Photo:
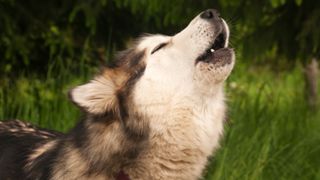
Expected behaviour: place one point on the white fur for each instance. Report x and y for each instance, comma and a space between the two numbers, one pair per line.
184, 103
97, 96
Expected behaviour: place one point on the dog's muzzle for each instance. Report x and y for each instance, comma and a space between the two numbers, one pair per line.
217, 52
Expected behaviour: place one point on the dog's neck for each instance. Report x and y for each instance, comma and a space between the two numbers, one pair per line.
181, 138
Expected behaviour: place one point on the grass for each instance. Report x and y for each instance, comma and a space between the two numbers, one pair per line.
270, 134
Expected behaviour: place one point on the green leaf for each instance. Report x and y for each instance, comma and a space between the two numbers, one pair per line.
54, 29
298, 2
275, 3
103, 2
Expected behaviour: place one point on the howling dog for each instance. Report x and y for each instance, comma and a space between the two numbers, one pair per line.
156, 113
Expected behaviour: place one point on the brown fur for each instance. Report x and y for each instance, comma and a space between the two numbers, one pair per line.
111, 135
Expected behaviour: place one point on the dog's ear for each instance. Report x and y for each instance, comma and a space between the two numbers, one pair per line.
100, 94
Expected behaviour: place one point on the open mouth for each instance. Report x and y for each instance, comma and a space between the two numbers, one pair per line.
219, 43
215, 50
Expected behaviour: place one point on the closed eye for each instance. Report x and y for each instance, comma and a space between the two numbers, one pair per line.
158, 47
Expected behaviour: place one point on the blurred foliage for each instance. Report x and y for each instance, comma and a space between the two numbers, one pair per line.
36, 34
286, 29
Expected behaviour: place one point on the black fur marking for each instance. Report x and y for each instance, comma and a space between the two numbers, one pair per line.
132, 122
106, 118
79, 135
136, 59
16, 144
128, 59
42, 166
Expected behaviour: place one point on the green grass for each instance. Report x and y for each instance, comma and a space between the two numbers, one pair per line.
270, 134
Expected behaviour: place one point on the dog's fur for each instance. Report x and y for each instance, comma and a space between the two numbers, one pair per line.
156, 113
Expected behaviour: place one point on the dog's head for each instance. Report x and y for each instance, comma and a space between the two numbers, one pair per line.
158, 68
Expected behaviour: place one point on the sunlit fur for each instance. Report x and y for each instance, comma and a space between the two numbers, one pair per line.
152, 115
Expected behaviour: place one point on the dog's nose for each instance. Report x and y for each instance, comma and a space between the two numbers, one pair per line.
209, 14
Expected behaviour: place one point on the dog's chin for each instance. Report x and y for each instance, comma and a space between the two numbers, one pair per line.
215, 67
217, 53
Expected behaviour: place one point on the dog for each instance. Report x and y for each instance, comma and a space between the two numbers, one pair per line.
157, 112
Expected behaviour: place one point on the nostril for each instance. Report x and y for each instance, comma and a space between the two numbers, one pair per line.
209, 14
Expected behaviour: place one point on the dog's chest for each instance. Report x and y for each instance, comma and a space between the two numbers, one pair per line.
181, 140
192, 123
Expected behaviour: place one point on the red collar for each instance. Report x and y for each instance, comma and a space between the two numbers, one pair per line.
122, 176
